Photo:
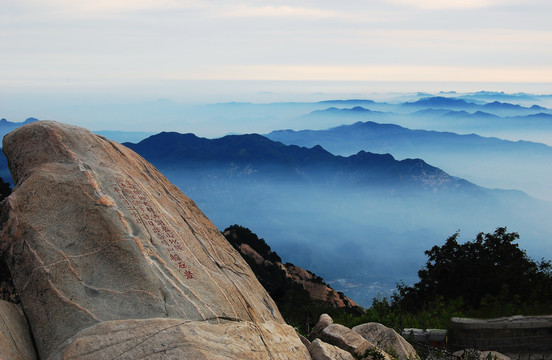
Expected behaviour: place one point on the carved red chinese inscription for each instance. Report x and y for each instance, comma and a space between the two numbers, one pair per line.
143, 212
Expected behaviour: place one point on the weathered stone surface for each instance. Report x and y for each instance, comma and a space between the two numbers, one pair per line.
15, 338
324, 321
95, 234
386, 339
320, 350
181, 339
345, 338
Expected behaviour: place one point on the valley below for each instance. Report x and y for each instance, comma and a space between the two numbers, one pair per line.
357, 190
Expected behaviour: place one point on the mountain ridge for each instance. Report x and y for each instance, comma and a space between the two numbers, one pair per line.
266, 157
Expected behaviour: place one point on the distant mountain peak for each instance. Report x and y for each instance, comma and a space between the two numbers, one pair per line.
253, 157
501, 105
348, 102
439, 101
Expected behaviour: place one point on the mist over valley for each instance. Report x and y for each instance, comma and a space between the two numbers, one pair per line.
357, 190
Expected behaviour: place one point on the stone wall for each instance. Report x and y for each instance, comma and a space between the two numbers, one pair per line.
512, 334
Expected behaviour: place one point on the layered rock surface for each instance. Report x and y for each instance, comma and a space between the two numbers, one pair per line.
386, 339
110, 259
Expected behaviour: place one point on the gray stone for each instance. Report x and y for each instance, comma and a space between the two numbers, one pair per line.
97, 240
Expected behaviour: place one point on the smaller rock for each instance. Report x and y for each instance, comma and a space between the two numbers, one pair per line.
387, 339
483, 355
324, 321
320, 350
15, 337
346, 339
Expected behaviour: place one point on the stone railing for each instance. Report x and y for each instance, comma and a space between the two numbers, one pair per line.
511, 334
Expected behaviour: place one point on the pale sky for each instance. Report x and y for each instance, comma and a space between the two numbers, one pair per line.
72, 43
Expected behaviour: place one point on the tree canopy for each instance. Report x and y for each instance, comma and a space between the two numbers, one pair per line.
490, 269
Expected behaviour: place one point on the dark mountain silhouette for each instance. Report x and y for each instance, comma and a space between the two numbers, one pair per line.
256, 157
466, 115
497, 105
449, 115
345, 218
451, 103
357, 110
395, 139
539, 116
440, 102
483, 160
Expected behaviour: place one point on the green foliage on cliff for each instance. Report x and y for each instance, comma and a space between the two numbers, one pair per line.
293, 301
489, 276
238, 235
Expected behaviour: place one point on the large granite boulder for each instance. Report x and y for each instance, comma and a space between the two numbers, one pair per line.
320, 350
346, 339
15, 337
386, 339
111, 260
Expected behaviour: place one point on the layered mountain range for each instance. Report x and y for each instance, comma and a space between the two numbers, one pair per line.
486, 161
360, 199
313, 203
256, 158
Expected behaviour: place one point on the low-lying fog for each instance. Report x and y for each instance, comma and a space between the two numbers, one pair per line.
361, 241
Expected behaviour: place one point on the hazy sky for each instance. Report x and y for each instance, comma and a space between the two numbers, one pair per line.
50, 45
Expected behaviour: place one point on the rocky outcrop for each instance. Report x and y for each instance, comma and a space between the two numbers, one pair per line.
366, 341
111, 260
387, 339
15, 337
318, 290
267, 261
